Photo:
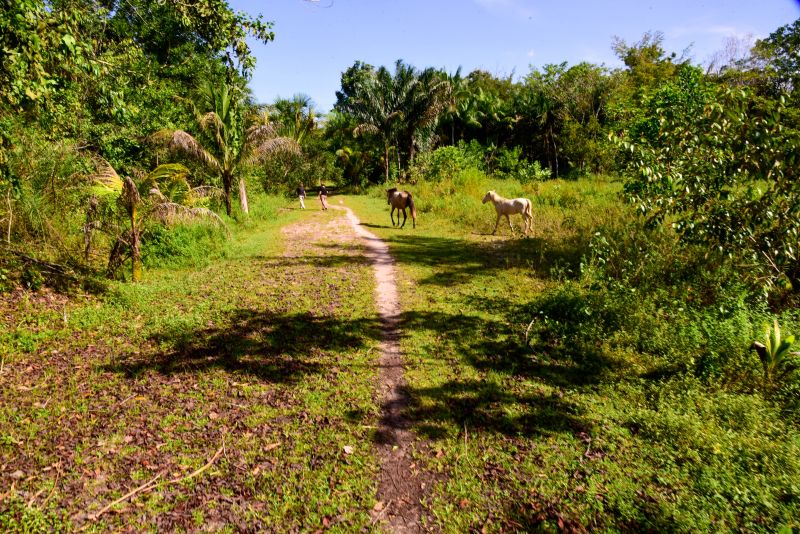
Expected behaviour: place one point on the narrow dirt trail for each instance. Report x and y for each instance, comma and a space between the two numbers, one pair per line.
402, 485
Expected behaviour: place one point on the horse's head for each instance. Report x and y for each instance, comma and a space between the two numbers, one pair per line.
389, 194
489, 196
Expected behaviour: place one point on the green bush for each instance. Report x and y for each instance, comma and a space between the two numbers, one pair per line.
509, 163
183, 245
446, 163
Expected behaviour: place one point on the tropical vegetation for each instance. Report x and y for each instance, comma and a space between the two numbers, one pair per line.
171, 327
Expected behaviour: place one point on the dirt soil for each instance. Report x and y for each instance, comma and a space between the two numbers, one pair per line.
403, 484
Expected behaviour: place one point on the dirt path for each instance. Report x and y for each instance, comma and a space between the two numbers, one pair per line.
402, 485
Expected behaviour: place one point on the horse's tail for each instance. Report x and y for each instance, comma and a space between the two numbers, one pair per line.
413, 210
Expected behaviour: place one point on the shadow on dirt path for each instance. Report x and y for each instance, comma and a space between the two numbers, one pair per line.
402, 485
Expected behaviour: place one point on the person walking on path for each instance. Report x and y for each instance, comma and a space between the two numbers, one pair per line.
323, 196
301, 194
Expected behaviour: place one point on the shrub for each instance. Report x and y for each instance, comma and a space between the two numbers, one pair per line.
182, 245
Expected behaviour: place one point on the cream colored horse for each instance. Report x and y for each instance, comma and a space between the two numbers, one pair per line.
510, 206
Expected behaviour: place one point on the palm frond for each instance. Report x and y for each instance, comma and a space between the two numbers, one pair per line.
130, 195
168, 181
258, 133
172, 212
169, 172
211, 121
180, 141
262, 151
365, 128
106, 178
206, 191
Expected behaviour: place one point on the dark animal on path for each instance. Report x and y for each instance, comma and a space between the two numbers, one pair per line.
400, 200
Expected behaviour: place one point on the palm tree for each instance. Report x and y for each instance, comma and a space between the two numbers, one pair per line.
163, 195
397, 108
460, 104
423, 97
296, 116
235, 138
375, 111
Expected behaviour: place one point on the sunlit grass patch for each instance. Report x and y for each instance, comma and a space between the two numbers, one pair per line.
245, 355
614, 413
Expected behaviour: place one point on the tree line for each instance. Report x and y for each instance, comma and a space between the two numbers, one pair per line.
156, 91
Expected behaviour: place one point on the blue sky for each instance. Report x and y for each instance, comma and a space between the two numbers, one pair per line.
315, 41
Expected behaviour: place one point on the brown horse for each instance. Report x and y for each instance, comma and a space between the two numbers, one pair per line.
400, 200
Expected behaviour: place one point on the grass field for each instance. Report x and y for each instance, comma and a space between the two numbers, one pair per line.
241, 393
583, 429
265, 357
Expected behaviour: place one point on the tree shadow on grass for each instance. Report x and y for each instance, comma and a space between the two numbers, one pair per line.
458, 260
488, 345
321, 262
483, 405
272, 347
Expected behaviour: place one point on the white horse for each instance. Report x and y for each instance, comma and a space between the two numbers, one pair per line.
510, 206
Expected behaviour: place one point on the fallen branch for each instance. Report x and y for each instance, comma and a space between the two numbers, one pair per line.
152, 483
143, 487
54, 268
200, 470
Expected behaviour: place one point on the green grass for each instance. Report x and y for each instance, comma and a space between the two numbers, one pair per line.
592, 427
252, 351
635, 406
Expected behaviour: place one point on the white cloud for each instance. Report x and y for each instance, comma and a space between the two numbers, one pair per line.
715, 31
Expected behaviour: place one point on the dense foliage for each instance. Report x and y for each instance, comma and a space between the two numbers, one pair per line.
87, 81
659, 290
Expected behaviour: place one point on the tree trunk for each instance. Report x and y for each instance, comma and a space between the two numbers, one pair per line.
243, 196
88, 228
136, 253
10, 217
555, 151
132, 199
226, 190
386, 164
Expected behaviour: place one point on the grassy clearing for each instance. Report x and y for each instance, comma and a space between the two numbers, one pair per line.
630, 410
267, 350
603, 423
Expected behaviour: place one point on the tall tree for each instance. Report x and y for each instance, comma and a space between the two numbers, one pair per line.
424, 97
234, 139
396, 108
296, 116
780, 54
375, 112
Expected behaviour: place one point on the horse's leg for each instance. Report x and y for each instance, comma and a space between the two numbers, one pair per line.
496, 223
508, 218
391, 216
404, 217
